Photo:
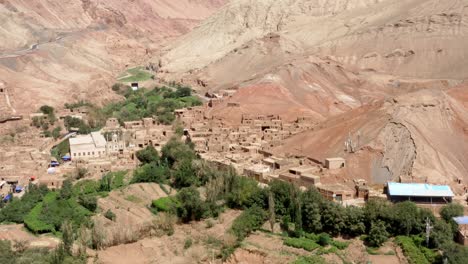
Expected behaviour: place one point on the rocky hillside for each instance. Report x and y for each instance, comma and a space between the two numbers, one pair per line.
55, 52
383, 70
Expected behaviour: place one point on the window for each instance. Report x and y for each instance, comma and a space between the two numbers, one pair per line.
89, 153
93, 153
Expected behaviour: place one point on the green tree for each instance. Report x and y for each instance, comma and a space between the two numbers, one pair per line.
449, 211
47, 110
56, 132
377, 209
190, 206
333, 218
441, 234
244, 192
148, 155
67, 237
455, 254
185, 175
271, 210
151, 173
175, 150
354, 221
407, 219
67, 190
311, 211
248, 221
282, 194
378, 234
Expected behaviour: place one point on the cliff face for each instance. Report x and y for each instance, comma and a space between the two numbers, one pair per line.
55, 51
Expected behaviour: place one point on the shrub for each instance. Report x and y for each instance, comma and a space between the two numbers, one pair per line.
190, 206
164, 223
378, 234
411, 251
188, 243
324, 239
88, 201
16, 210
301, 242
147, 155
248, 221
110, 215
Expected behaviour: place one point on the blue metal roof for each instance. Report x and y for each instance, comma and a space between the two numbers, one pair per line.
461, 220
419, 189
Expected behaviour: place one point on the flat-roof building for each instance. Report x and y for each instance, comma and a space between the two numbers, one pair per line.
419, 192
88, 146
334, 163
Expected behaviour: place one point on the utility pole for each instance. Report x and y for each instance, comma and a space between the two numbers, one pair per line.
428, 230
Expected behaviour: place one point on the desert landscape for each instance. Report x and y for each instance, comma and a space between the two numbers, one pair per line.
234, 131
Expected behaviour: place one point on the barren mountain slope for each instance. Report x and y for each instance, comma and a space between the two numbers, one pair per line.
419, 136
53, 52
411, 38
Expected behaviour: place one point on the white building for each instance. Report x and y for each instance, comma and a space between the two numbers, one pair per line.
88, 146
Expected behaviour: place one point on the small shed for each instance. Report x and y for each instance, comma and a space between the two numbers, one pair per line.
462, 234
335, 163
134, 86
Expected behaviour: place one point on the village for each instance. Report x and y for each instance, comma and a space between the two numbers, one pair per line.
246, 147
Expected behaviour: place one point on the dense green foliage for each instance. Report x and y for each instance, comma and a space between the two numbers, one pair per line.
190, 205
249, 220
61, 150
411, 251
148, 155
160, 102
16, 210
378, 234
73, 122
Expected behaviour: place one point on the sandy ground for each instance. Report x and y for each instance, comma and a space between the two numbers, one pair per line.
170, 249
17, 233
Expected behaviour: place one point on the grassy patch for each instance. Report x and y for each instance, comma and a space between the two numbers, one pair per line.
309, 260
137, 74
164, 204
132, 198
301, 242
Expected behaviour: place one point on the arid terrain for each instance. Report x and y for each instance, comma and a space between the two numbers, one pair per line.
52, 53
382, 71
382, 84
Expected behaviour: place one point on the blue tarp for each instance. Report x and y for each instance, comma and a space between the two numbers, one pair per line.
18, 189
461, 220
7, 198
419, 190
54, 163
66, 157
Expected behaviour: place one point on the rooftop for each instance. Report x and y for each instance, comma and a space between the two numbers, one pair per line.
419, 189
461, 220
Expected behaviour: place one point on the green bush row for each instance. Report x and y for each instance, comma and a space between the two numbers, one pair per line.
411, 251
301, 242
